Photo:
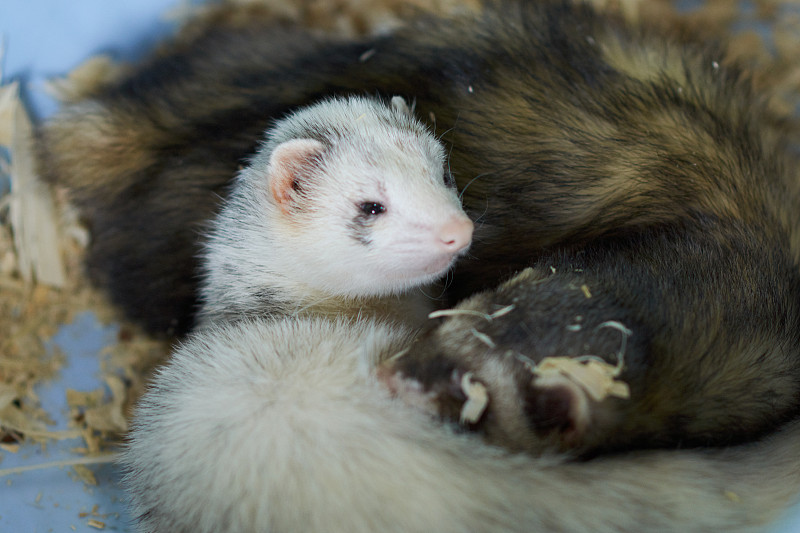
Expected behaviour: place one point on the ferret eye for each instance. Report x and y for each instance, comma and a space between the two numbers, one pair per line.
372, 208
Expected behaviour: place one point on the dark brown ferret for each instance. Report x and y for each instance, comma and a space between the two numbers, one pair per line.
640, 177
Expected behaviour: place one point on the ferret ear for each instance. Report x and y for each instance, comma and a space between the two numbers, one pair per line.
400, 106
289, 166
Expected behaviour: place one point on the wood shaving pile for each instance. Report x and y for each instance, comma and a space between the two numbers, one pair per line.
42, 284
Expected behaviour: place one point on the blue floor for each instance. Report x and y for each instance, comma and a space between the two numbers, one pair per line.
56, 498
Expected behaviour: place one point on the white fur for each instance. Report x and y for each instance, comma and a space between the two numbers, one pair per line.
279, 427
374, 152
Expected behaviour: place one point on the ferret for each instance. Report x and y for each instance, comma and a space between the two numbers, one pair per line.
348, 203
614, 174
281, 426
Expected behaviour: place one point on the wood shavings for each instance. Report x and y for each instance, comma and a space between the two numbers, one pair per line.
33, 223
85, 475
7, 395
397, 356
84, 399
457, 312
470, 312
136, 356
36, 299
93, 512
595, 377
28, 428
93, 414
613, 324
732, 496
110, 417
363, 58
16, 421
502, 311
483, 337
477, 400
10, 448
102, 459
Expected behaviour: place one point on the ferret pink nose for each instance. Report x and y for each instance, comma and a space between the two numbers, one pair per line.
455, 234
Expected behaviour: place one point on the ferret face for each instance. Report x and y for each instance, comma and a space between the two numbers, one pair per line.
371, 212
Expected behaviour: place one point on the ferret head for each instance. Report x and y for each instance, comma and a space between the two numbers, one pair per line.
359, 198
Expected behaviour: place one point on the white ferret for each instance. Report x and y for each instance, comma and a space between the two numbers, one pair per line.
348, 201
279, 426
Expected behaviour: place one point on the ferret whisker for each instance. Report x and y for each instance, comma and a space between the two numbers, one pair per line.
461, 194
449, 166
480, 217
431, 296
449, 279
448, 130
445, 132
449, 154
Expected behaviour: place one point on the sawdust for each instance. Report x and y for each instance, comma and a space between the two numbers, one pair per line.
596, 377
477, 400
42, 286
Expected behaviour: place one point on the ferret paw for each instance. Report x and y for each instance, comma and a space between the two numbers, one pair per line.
440, 389
555, 408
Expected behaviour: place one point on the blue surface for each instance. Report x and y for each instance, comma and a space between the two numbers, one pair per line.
56, 499
790, 523
46, 38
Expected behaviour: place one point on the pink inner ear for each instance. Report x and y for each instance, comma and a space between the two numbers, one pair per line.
290, 164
